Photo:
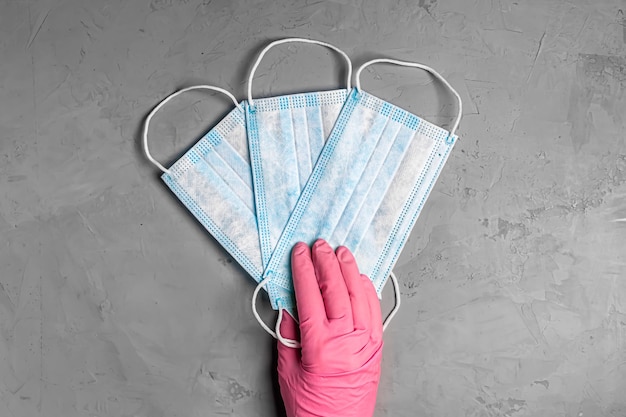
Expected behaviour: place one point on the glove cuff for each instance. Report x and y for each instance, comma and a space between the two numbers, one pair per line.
350, 394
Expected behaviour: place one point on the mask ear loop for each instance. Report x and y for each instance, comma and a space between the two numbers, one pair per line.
300, 40
425, 68
162, 103
396, 307
275, 334
287, 342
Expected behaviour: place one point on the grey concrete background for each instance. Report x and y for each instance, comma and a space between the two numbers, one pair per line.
115, 302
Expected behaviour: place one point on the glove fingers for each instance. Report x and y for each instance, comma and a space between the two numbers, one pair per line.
332, 286
356, 289
308, 297
376, 319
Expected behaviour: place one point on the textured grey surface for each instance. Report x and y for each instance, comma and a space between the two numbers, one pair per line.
115, 302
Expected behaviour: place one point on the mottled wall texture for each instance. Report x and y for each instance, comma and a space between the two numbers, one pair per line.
114, 301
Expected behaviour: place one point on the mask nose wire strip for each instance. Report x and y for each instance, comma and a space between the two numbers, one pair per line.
300, 40
294, 343
162, 103
396, 307
425, 68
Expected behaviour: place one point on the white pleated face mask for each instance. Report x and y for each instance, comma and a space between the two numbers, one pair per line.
286, 134
368, 187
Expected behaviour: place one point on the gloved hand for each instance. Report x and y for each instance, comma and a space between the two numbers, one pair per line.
337, 369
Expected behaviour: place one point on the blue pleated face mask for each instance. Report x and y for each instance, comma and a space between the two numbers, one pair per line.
368, 187
214, 181
286, 135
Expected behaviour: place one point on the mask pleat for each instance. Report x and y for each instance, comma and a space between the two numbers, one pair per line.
348, 163
303, 227
281, 173
366, 195
396, 147
286, 135
303, 155
437, 152
233, 129
228, 164
315, 126
273, 152
391, 205
329, 113
198, 186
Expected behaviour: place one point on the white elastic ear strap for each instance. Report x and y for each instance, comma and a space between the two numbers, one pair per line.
396, 307
275, 334
294, 343
425, 68
162, 103
299, 40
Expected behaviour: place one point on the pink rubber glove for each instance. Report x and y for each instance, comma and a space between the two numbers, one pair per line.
336, 372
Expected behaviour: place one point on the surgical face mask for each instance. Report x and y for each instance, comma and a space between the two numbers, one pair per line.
286, 135
213, 180
368, 187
